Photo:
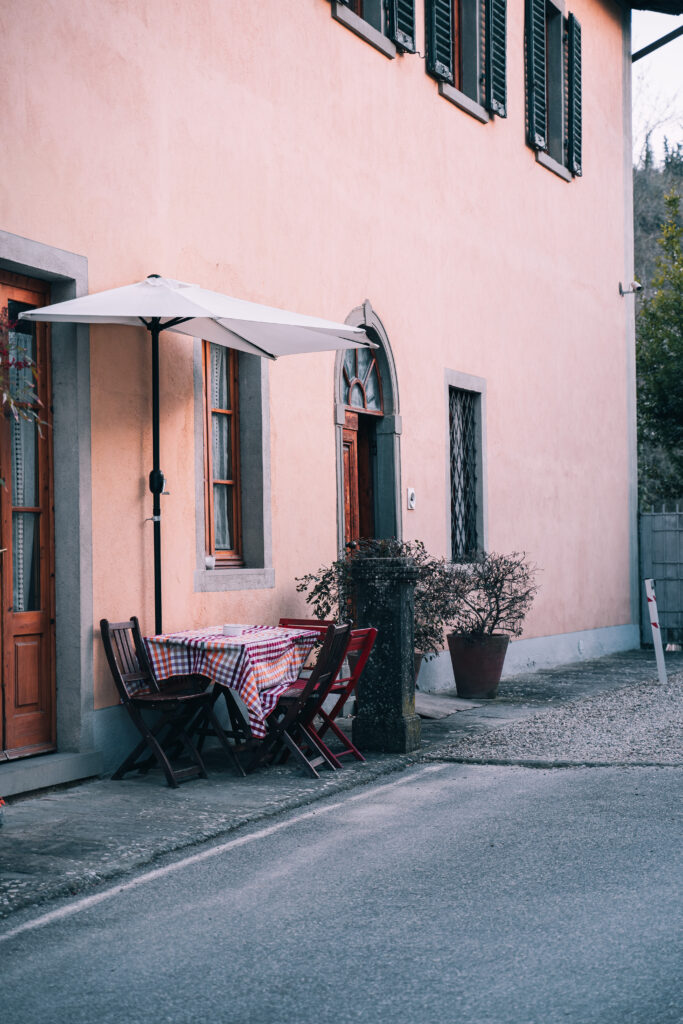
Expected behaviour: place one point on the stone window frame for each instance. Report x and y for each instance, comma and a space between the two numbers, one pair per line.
342, 13
257, 573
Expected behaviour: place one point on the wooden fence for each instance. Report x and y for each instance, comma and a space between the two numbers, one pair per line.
661, 559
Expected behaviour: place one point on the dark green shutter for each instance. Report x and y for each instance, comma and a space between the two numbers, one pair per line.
574, 127
440, 38
402, 23
536, 100
496, 57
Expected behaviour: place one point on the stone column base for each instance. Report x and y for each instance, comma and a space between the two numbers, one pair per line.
392, 736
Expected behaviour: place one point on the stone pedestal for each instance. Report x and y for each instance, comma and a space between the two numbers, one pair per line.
385, 700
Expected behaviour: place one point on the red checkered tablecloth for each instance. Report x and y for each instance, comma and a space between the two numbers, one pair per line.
259, 663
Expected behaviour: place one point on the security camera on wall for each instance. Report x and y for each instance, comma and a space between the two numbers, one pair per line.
635, 286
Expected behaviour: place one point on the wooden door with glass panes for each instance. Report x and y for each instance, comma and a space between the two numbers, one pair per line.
362, 392
26, 531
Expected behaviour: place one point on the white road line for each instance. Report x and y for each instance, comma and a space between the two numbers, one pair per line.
196, 858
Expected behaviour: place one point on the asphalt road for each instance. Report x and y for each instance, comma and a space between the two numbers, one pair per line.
452, 893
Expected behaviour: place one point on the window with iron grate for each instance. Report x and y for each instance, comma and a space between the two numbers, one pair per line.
462, 412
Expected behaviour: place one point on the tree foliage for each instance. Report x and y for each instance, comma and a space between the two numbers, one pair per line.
329, 591
652, 181
659, 352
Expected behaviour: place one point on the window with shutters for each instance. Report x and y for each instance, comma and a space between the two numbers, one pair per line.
388, 25
371, 11
466, 53
221, 452
553, 87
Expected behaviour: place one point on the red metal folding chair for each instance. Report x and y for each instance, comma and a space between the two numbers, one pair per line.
287, 725
357, 653
320, 625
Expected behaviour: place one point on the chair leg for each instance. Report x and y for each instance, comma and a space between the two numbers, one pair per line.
176, 732
159, 756
240, 730
205, 723
325, 755
213, 725
349, 747
299, 755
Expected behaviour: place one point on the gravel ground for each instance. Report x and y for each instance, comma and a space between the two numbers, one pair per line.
638, 724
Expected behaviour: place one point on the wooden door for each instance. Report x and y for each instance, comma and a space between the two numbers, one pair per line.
26, 539
350, 447
359, 501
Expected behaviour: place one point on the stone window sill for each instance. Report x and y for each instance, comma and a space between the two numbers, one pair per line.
216, 580
464, 102
552, 165
361, 28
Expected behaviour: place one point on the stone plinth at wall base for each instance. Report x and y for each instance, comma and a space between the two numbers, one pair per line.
385, 700
33, 773
397, 736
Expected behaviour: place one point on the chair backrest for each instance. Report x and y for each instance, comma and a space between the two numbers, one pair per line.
319, 625
328, 664
127, 659
360, 645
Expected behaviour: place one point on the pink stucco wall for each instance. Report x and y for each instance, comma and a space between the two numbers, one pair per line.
266, 151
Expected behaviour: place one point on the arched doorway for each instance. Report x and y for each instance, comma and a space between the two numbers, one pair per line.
368, 428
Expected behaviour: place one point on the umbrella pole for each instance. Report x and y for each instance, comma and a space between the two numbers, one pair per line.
156, 477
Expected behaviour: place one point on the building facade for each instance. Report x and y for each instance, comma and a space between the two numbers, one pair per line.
455, 177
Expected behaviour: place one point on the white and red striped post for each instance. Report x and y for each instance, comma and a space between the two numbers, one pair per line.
656, 630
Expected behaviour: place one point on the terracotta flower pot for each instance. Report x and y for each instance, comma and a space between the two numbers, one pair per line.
477, 663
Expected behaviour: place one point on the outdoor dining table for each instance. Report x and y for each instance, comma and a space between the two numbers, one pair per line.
258, 663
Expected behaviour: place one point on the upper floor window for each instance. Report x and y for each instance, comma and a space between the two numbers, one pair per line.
371, 11
221, 450
466, 49
387, 25
553, 86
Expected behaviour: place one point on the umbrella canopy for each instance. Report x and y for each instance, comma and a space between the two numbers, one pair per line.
162, 304
189, 309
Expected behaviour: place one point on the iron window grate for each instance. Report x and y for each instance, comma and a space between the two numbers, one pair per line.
463, 433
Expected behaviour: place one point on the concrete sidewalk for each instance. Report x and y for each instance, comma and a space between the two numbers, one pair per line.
66, 841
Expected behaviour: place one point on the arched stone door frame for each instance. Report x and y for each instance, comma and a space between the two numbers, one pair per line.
388, 518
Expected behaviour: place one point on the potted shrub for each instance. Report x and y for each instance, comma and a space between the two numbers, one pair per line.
329, 592
491, 595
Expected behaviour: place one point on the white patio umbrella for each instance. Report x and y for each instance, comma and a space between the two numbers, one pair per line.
162, 304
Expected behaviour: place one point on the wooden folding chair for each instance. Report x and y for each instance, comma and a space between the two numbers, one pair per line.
287, 728
182, 706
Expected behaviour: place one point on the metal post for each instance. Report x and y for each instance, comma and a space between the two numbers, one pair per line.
656, 630
156, 477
